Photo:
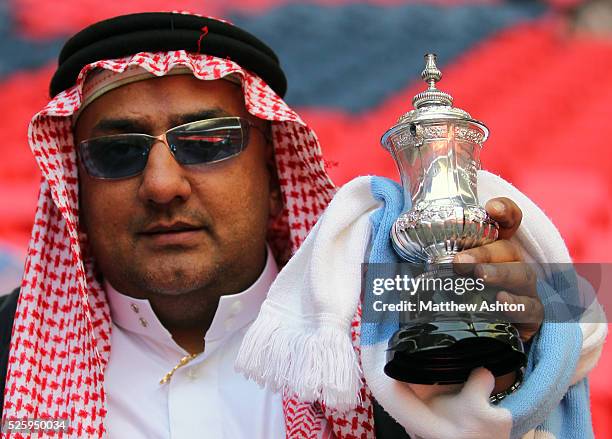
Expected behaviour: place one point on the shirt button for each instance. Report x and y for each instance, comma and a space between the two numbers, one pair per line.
192, 374
143, 322
229, 323
236, 308
134, 307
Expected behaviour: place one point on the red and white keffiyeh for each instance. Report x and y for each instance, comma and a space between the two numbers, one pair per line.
61, 335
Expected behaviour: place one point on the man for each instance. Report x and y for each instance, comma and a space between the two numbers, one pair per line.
175, 180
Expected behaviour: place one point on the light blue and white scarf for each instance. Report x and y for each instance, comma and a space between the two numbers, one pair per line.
301, 339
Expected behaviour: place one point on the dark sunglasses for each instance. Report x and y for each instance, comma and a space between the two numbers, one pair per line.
195, 143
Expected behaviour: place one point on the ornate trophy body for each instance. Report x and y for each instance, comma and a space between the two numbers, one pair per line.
436, 148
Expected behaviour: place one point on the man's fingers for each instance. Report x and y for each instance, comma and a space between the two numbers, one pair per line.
533, 309
496, 252
507, 213
527, 321
514, 276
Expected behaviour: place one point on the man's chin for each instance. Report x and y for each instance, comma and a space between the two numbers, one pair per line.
173, 282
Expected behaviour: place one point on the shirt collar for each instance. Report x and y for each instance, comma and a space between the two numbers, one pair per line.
233, 313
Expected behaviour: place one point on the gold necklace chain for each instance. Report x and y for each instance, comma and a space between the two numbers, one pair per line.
183, 361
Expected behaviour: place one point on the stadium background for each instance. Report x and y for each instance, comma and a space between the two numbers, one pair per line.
537, 73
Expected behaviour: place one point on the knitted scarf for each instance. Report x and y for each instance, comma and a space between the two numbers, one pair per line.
300, 340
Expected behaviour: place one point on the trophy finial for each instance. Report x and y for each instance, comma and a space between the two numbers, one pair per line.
431, 74
432, 96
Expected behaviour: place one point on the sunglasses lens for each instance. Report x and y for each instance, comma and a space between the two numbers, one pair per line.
208, 141
201, 142
115, 156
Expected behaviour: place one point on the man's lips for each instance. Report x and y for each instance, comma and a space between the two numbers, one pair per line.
175, 227
176, 233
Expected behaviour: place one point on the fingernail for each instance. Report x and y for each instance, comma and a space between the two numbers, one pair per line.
497, 206
464, 258
506, 297
488, 271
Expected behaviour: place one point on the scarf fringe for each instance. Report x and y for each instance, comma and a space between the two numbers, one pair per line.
290, 358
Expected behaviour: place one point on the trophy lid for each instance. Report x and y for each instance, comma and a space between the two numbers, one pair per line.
433, 104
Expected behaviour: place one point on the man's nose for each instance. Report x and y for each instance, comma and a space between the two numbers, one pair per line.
163, 179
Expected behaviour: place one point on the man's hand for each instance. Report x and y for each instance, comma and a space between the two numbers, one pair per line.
500, 264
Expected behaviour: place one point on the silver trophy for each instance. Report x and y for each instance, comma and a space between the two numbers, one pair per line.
437, 150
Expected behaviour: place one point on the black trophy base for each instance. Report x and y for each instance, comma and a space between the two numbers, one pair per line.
445, 351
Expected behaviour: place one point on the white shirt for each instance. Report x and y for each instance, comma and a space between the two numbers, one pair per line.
204, 398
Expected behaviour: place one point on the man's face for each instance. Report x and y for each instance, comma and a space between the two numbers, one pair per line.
175, 229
